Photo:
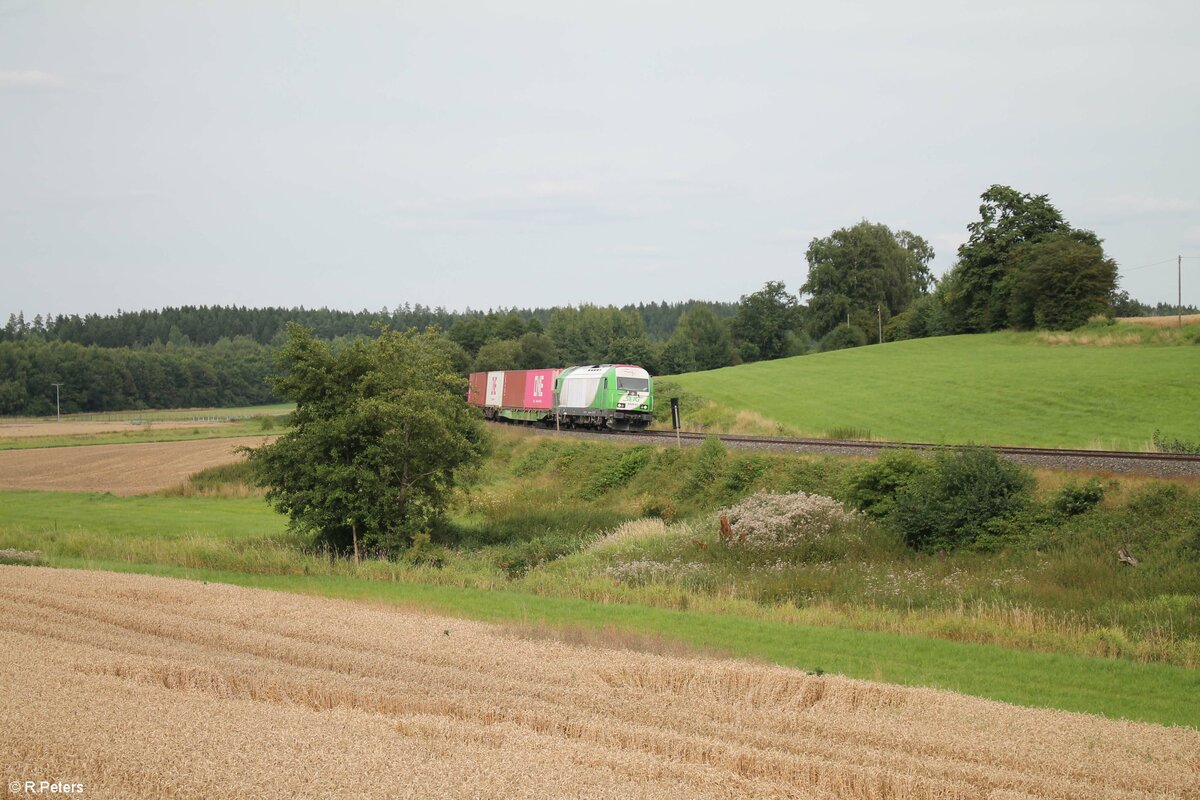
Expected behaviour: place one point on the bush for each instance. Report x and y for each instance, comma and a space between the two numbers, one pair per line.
842, 337
768, 521
743, 472
660, 508
964, 499
898, 328
517, 558
1173, 444
707, 466
664, 390
872, 487
1074, 499
617, 470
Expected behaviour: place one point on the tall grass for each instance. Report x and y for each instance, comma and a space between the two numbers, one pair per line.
548, 518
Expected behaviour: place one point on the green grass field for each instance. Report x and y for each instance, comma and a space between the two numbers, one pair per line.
529, 555
1069, 390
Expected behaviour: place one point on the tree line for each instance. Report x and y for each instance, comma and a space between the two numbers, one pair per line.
205, 325
231, 372
1023, 266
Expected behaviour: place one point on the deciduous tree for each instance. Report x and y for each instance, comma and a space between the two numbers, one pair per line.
763, 321
381, 433
978, 296
1060, 282
861, 272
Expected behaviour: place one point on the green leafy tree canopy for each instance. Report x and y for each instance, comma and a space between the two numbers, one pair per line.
763, 321
861, 272
381, 433
979, 288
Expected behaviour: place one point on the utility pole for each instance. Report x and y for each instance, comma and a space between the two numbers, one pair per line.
879, 312
57, 403
1179, 288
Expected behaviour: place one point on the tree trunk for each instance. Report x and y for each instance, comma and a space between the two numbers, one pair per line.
354, 535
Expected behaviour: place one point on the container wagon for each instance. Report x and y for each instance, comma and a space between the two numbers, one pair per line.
616, 396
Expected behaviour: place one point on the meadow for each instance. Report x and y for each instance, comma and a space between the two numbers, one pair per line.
619, 543
146, 687
1107, 387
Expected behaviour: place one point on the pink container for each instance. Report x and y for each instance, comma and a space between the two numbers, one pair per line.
539, 388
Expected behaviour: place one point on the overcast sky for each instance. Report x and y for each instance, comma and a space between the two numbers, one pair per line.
361, 155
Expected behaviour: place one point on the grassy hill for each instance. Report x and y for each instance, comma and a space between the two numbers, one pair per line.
1110, 388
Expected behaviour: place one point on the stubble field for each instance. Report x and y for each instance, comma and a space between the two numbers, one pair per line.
122, 469
148, 687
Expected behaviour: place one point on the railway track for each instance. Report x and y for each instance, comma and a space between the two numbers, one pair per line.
1157, 464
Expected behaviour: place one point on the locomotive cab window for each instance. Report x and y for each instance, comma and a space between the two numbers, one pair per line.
633, 384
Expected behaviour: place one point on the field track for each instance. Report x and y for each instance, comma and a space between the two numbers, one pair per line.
142, 687
122, 469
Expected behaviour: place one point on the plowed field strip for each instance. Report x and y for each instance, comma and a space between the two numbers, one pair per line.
143, 687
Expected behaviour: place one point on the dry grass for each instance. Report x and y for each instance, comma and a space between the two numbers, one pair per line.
144, 687
1118, 487
1090, 339
1171, 321
122, 469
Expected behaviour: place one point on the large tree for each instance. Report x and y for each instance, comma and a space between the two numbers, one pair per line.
701, 340
763, 321
861, 272
978, 296
1061, 282
380, 434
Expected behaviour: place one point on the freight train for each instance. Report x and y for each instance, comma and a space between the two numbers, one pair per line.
616, 396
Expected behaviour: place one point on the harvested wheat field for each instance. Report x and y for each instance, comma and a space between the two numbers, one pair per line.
122, 469
1167, 321
142, 687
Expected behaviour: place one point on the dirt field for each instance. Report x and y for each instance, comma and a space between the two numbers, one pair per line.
140, 687
22, 430
122, 469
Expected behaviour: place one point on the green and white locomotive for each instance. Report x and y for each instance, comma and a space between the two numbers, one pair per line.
614, 396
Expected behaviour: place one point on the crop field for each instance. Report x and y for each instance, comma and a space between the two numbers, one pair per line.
148, 687
121, 469
1167, 321
1106, 390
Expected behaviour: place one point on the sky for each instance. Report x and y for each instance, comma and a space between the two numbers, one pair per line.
495, 155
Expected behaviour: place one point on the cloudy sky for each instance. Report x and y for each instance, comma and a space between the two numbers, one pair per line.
366, 154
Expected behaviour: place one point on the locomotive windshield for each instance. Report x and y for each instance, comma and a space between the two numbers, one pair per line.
633, 384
